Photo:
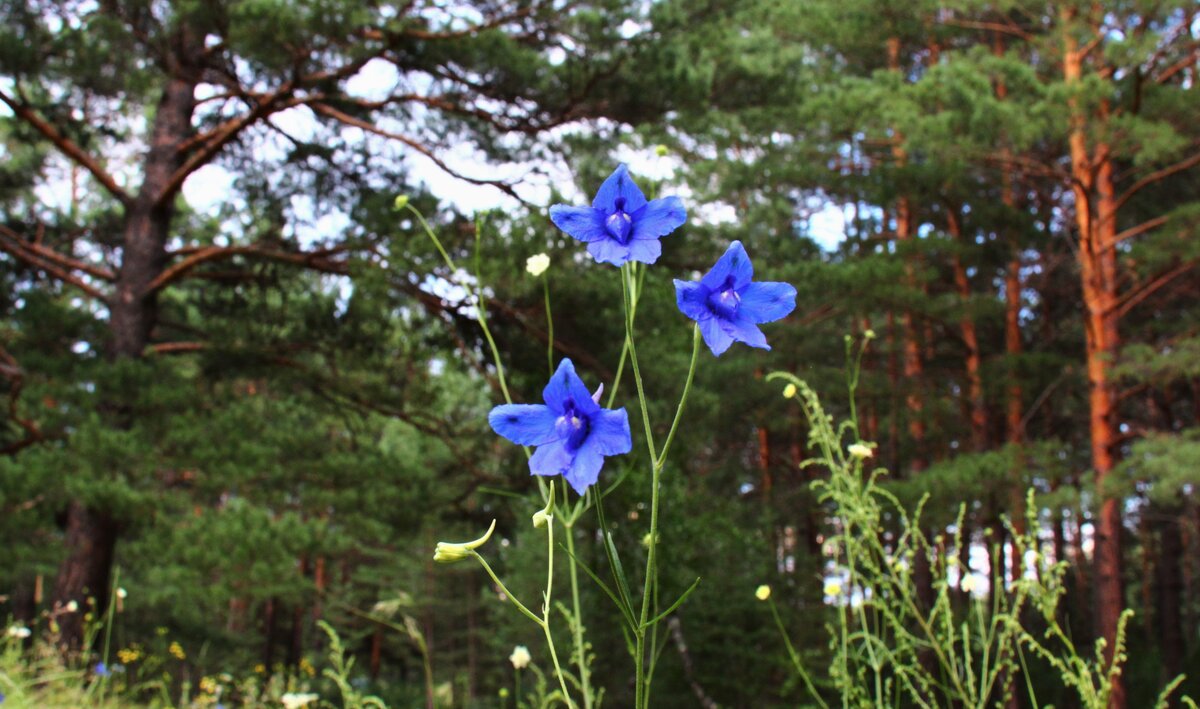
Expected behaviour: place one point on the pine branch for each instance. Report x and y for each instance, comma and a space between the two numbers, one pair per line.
315, 260
343, 117
67, 147
41, 257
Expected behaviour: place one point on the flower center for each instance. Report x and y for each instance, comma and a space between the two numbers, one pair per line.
619, 224
572, 427
725, 301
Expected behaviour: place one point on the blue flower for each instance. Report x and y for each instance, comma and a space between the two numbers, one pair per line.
728, 306
621, 225
572, 433
101, 669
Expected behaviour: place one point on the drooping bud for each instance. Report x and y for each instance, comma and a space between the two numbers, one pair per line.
400, 203
449, 552
789, 391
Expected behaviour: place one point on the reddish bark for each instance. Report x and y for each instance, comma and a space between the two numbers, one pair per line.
1095, 219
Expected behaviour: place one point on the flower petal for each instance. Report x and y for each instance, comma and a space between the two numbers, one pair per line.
566, 385
692, 299
658, 218
608, 251
714, 335
734, 262
767, 301
743, 329
526, 424
550, 459
619, 185
609, 432
584, 470
582, 223
645, 250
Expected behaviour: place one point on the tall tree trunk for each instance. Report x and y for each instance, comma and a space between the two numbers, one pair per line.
91, 535
966, 324
1095, 219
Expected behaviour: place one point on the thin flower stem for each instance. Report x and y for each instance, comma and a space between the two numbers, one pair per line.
546, 606
631, 304
580, 648
507, 594
482, 308
795, 656
481, 304
687, 388
549, 325
433, 236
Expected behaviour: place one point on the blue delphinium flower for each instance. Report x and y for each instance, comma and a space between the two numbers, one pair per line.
621, 225
572, 432
729, 307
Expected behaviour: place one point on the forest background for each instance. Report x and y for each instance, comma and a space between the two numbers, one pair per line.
262, 409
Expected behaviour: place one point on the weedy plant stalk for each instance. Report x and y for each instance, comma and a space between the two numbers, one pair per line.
887, 648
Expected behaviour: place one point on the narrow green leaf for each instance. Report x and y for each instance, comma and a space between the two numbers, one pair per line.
674, 605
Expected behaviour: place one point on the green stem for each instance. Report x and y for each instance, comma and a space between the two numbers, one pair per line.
795, 656
580, 648
627, 284
507, 594
687, 388
546, 605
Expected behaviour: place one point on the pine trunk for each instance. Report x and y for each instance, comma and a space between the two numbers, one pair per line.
91, 533
1095, 219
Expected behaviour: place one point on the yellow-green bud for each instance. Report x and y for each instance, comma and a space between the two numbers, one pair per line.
789, 391
661, 150
869, 334
860, 450
449, 552
541, 518
763, 592
537, 264
400, 203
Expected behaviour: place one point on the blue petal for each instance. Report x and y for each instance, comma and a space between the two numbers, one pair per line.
566, 385
743, 329
619, 185
659, 218
645, 250
526, 424
585, 468
550, 459
608, 251
735, 262
582, 223
767, 301
692, 299
609, 432
715, 336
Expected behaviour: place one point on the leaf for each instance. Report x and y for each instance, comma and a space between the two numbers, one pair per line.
674, 605
625, 609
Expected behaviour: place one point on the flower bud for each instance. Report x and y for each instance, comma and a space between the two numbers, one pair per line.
400, 203
520, 657
860, 450
537, 264
789, 391
763, 592
661, 150
449, 552
541, 518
